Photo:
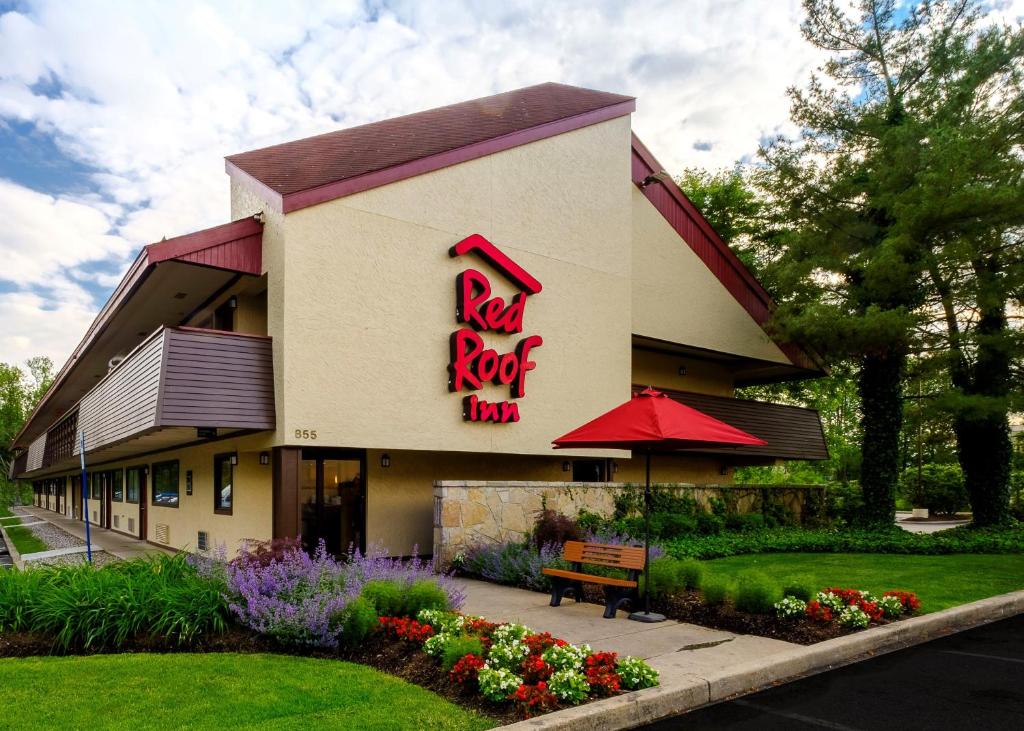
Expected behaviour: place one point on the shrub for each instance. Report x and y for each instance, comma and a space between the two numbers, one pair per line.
940, 488
691, 573
636, 674
755, 593
514, 563
664, 578
457, 647
589, 522
744, 522
425, 594
569, 686
357, 620
800, 588
386, 595
709, 524
497, 684
553, 527
665, 525
715, 590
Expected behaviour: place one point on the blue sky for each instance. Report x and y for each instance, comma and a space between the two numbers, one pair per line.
115, 116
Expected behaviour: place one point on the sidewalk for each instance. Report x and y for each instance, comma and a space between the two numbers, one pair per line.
680, 652
108, 541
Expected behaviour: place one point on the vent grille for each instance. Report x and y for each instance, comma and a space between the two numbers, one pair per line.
203, 541
163, 533
94, 518
117, 521
131, 525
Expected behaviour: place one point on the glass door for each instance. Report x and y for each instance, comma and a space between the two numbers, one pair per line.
332, 496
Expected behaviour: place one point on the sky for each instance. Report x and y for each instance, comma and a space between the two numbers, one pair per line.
115, 117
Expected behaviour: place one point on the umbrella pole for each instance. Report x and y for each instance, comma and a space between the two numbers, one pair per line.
646, 615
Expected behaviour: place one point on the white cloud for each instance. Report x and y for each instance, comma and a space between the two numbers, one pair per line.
153, 94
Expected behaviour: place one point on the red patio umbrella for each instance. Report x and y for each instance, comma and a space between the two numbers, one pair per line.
647, 422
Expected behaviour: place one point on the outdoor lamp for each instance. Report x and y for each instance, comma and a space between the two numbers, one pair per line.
385, 460
234, 459
566, 466
264, 458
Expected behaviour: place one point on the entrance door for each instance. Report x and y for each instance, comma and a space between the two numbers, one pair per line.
143, 504
108, 492
76, 498
332, 497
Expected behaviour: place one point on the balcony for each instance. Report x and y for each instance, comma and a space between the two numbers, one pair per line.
176, 381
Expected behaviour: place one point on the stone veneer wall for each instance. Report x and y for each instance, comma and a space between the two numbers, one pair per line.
467, 513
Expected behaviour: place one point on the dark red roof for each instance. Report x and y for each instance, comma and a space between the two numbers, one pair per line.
327, 159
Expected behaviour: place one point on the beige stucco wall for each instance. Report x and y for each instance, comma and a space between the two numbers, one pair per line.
369, 298
674, 468
661, 370
676, 298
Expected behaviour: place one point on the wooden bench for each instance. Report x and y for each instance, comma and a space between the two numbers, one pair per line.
616, 591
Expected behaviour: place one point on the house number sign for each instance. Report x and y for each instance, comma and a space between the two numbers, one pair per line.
472, 363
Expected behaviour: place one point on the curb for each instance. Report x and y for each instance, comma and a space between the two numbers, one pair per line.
646, 706
19, 564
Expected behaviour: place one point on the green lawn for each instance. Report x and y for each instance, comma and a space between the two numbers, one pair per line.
216, 691
940, 581
25, 540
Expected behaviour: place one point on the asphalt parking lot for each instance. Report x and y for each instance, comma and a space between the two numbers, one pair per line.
971, 680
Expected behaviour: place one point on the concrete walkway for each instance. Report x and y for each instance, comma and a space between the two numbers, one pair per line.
681, 652
108, 541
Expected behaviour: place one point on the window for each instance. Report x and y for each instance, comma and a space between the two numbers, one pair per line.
223, 483
134, 483
117, 487
165, 484
589, 470
97, 486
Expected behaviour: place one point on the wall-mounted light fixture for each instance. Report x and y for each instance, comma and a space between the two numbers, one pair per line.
724, 470
682, 370
566, 466
233, 459
233, 302
385, 460
264, 458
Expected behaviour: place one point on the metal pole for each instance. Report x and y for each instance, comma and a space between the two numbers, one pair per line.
647, 615
85, 496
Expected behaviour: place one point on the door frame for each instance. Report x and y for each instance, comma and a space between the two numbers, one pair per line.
324, 453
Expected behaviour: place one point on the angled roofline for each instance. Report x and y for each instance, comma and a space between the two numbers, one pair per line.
187, 249
341, 188
717, 256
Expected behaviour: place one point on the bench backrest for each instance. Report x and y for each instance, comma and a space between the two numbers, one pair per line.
601, 554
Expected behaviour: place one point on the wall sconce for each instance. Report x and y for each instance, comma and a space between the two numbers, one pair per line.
233, 459
566, 466
724, 470
385, 460
264, 458
682, 370
233, 302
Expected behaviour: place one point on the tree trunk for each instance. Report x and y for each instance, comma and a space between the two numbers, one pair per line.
880, 386
982, 425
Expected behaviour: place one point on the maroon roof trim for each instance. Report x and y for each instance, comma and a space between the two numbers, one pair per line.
235, 246
698, 234
331, 191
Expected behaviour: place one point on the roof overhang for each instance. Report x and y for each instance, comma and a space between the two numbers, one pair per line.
167, 283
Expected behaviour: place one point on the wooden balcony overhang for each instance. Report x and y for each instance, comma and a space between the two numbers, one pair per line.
167, 282
176, 381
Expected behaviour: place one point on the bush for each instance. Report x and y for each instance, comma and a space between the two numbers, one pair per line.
357, 621
709, 524
755, 593
387, 596
664, 578
514, 563
425, 594
691, 573
553, 527
457, 647
263, 553
744, 522
940, 488
664, 525
716, 590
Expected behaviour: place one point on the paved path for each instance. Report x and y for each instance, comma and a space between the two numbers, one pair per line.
116, 544
970, 680
680, 652
926, 526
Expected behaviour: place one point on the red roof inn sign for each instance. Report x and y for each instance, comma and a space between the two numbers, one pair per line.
471, 363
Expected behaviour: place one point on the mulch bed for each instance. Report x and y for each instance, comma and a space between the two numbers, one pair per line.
688, 607
401, 659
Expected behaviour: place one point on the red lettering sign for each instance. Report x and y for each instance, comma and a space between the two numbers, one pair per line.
472, 363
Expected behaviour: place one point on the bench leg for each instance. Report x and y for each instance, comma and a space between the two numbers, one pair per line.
560, 587
614, 596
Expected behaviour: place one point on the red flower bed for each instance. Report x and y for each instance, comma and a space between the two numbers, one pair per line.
600, 670
540, 642
465, 670
535, 669
908, 599
406, 629
818, 612
533, 699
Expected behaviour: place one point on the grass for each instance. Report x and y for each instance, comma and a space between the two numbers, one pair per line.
217, 691
939, 581
25, 540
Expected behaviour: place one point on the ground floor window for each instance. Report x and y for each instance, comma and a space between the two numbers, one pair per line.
133, 480
97, 486
590, 470
116, 486
223, 482
165, 484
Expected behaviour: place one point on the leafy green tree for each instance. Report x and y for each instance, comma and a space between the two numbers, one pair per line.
19, 393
